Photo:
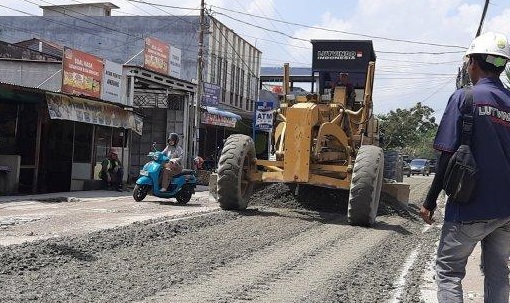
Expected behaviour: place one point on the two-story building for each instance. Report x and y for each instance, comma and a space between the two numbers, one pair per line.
165, 102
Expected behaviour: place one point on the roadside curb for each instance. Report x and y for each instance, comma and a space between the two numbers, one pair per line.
74, 196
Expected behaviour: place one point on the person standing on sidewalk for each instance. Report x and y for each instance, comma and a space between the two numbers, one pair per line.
485, 217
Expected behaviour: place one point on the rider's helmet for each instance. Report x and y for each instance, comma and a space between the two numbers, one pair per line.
494, 45
174, 137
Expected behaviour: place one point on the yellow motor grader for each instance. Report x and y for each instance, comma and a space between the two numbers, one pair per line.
326, 138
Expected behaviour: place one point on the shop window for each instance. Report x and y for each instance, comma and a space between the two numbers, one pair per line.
82, 142
175, 102
107, 137
118, 137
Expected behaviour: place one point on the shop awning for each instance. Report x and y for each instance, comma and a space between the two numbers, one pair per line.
79, 109
222, 113
215, 116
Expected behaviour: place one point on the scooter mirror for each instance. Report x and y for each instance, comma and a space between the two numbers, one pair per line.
154, 146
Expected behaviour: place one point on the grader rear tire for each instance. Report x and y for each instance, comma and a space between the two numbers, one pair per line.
234, 189
366, 186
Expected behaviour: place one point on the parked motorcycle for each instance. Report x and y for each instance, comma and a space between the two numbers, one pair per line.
182, 186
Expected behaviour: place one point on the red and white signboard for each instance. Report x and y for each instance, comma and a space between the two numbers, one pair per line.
213, 119
156, 55
82, 73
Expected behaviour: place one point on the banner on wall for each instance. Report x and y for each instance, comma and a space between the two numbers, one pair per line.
213, 119
156, 55
88, 111
175, 62
82, 73
111, 89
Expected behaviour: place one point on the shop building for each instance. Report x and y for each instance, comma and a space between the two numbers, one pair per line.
230, 62
52, 141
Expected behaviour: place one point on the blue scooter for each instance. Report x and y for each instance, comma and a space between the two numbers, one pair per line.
182, 186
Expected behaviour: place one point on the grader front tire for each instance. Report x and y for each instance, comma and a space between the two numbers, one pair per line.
366, 186
234, 189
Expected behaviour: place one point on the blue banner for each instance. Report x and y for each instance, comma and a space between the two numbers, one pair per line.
263, 115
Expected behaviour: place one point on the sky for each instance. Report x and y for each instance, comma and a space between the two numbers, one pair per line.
419, 44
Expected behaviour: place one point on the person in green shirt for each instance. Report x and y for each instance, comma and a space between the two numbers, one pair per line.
112, 171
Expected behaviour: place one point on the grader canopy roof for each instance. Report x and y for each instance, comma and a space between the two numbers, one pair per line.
332, 57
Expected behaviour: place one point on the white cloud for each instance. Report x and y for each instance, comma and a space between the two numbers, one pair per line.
404, 79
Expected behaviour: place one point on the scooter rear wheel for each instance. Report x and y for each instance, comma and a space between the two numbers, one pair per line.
140, 191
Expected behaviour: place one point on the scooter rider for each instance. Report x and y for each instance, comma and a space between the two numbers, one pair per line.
174, 165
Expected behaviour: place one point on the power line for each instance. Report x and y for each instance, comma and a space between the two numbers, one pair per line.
234, 50
319, 28
421, 53
83, 20
163, 5
301, 39
271, 33
91, 31
439, 89
414, 61
339, 31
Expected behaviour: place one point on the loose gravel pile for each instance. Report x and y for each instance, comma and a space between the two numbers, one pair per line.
315, 198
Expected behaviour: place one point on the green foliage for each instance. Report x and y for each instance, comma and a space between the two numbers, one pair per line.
410, 131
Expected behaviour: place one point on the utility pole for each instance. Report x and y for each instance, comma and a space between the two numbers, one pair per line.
483, 18
200, 80
462, 76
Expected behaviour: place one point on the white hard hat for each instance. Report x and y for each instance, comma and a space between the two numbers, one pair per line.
491, 43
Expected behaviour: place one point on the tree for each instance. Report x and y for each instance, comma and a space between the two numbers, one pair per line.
411, 131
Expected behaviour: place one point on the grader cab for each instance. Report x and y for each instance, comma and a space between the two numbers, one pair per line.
328, 138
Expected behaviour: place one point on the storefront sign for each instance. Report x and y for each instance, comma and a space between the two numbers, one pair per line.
175, 62
212, 119
88, 111
156, 55
211, 94
112, 82
82, 73
263, 115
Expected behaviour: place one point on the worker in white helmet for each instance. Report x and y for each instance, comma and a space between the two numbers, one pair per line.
484, 216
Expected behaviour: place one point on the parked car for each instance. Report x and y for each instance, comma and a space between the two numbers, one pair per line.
432, 164
420, 166
406, 169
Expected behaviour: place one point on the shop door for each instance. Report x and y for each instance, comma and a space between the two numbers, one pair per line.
56, 156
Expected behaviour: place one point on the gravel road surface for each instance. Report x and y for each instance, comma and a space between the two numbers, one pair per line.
284, 248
